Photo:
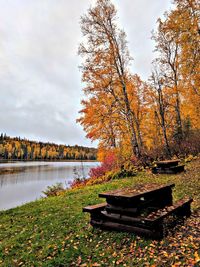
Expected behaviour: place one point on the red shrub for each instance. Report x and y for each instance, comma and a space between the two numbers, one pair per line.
109, 163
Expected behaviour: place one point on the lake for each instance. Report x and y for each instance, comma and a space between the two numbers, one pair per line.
29, 179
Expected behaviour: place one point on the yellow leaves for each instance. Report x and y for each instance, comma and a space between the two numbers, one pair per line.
196, 256
165, 254
192, 261
119, 261
6, 251
114, 254
90, 265
177, 264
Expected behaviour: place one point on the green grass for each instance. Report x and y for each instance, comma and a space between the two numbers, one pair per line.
55, 232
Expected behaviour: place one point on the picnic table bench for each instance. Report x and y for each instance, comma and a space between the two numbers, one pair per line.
168, 167
143, 209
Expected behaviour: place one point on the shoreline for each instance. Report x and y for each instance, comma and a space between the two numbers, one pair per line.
44, 160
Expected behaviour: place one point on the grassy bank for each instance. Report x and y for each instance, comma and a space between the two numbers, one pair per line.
55, 232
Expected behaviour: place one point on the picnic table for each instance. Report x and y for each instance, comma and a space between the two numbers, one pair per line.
142, 209
168, 167
167, 163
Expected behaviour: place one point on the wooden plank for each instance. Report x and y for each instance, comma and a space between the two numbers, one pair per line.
167, 163
135, 207
121, 210
181, 208
127, 228
94, 208
121, 218
137, 191
160, 198
178, 169
168, 170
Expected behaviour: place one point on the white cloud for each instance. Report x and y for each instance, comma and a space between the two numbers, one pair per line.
40, 84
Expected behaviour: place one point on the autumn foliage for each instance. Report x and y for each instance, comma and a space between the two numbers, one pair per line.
155, 118
107, 165
23, 149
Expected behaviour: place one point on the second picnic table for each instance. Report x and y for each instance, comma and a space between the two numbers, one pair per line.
168, 167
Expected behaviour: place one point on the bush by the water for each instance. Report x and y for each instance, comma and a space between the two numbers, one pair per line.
54, 190
110, 169
109, 163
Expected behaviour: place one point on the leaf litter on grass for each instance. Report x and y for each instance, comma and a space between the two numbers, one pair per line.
55, 232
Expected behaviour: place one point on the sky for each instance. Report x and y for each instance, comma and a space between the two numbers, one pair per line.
40, 82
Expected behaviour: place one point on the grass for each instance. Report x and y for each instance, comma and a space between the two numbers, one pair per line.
55, 232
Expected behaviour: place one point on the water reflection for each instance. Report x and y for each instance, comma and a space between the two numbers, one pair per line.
21, 187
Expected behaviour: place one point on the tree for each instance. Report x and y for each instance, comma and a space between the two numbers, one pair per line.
100, 119
169, 65
161, 107
177, 42
106, 60
185, 20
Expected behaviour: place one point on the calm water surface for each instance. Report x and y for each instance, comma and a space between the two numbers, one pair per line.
27, 185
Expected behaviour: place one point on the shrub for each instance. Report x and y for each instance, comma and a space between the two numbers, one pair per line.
54, 190
119, 174
78, 182
109, 163
108, 170
188, 146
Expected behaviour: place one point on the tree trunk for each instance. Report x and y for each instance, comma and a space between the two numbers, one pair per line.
134, 141
163, 125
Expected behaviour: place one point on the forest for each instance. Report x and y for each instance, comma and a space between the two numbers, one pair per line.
157, 118
23, 149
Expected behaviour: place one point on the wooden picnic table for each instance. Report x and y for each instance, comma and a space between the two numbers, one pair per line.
138, 197
168, 167
140, 191
167, 163
141, 209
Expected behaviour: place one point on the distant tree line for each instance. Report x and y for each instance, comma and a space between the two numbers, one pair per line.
23, 149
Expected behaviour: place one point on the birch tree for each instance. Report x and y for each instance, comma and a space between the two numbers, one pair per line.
105, 61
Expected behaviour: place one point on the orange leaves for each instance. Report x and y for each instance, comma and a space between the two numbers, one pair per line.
196, 257
105, 74
191, 261
177, 65
177, 264
122, 111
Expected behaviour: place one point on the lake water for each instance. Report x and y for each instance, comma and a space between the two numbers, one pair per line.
34, 177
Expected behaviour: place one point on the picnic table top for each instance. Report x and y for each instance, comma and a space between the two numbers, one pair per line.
166, 162
136, 191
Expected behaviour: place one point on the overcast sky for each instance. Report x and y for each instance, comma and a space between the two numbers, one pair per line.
40, 84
